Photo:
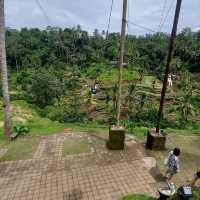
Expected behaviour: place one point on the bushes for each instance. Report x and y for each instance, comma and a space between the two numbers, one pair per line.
147, 118
95, 70
65, 110
21, 129
56, 93
45, 87
24, 79
144, 118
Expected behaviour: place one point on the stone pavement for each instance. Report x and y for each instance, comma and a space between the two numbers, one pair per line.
3, 152
99, 175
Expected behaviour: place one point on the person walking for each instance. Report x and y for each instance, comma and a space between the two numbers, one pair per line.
173, 163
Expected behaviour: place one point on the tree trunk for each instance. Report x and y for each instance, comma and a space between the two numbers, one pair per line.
4, 75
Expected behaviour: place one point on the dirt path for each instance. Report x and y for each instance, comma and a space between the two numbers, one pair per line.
98, 175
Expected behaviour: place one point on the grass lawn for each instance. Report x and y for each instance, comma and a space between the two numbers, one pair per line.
23, 147
76, 146
23, 113
44, 126
111, 76
138, 197
140, 132
196, 196
20, 149
88, 127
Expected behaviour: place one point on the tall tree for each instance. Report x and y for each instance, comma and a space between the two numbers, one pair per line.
4, 75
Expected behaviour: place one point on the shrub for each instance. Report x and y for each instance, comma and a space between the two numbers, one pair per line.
95, 70
72, 110
45, 87
144, 118
54, 113
65, 110
21, 129
24, 79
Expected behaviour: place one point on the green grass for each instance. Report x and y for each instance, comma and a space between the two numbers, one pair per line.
147, 82
20, 149
76, 146
88, 127
24, 113
44, 126
196, 195
183, 131
112, 75
24, 146
138, 197
143, 197
139, 132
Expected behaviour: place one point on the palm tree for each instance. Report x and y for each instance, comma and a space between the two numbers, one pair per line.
185, 107
4, 75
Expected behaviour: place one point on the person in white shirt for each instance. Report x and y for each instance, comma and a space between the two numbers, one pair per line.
173, 163
169, 80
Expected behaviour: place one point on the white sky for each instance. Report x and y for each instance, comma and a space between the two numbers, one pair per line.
91, 14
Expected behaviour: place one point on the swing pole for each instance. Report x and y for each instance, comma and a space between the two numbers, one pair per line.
169, 58
121, 58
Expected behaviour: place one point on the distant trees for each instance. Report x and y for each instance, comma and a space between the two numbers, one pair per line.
34, 48
53, 66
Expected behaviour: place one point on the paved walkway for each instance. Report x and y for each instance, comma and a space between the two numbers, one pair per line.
99, 175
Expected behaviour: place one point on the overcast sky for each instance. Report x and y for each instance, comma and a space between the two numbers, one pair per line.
91, 14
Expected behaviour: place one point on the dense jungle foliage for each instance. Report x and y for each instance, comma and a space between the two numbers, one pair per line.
55, 68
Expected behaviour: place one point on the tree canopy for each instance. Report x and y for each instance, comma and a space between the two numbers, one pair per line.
35, 48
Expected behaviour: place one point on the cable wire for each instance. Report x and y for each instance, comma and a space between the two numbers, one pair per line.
43, 11
109, 19
168, 11
162, 14
142, 27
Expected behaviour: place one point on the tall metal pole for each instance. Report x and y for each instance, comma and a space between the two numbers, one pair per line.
121, 58
169, 58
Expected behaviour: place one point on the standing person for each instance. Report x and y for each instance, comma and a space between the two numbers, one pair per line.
173, 163
169, 80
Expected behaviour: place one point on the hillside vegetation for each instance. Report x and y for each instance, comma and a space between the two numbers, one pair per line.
51, 73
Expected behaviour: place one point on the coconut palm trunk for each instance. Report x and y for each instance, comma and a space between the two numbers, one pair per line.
4, 75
